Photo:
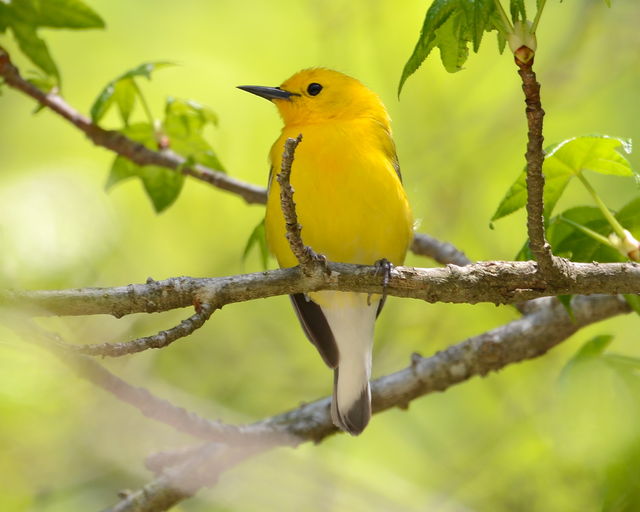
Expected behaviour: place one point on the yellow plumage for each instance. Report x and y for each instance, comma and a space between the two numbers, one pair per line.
352, 208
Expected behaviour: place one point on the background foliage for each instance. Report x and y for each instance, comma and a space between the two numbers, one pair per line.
534, 437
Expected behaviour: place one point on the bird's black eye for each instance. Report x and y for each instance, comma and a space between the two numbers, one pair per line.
314, 89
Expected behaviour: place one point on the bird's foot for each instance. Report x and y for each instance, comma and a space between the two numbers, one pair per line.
317, 258
383, 266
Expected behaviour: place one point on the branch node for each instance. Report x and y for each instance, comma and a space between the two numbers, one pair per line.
415, 359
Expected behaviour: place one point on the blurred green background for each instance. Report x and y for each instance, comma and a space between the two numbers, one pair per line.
523, 439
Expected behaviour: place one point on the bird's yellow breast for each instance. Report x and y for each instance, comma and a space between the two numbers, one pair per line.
349, 198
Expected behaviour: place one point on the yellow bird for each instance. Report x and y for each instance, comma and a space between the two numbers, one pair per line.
352, 208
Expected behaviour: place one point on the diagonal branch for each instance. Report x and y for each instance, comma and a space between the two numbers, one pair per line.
141, 155
122, 145
525, 338
160, 340
176, 483
142, 399
522, 339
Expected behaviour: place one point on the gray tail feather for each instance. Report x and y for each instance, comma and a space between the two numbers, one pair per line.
354, 419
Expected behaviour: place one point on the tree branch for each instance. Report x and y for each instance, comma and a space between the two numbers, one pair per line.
148, 404
122, 145
141, 155
525, 338
442, 252
538, 244
176, 483
308, 259
160, 340
142, 399
506, 282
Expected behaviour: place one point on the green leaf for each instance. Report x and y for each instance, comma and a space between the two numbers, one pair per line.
183, 124
5, 17
569, 241
525, 254
565, 300
42, 81
502, 42
163, 186
121, 169
194, 147
124, 95
123, 91
518, 10
595, 153
621, 481
598, 153
623, 362
24, 17
102, 103
451, 25
634, 301
146, 69
475, 14
34, 48
188, 115
593, 348
589, 352
23, 11
73, 14
629, 216
514, 199
452, 44
437, 14
258, 238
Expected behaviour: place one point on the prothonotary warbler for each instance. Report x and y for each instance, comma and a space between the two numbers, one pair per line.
352, 208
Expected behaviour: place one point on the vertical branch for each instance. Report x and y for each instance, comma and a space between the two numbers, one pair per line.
535, 157
305, 255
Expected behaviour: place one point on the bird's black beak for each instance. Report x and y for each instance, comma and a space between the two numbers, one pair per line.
270, 93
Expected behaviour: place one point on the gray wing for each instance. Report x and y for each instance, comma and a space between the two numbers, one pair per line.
313, 322
316, 328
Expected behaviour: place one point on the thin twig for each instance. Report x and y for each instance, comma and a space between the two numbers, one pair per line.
124, 146
305, 255
160, 340
540, 248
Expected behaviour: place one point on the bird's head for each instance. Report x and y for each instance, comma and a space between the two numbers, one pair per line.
319, 95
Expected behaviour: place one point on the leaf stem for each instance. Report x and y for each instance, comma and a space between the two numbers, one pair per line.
505, 19
617, 228
538, 14
589, 232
